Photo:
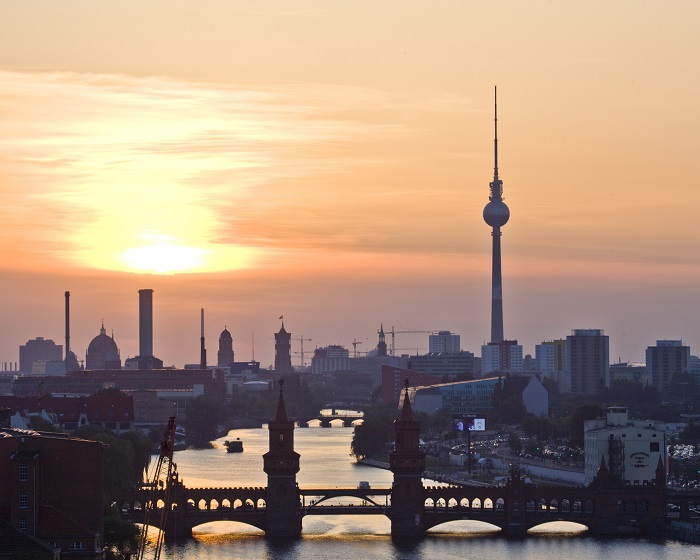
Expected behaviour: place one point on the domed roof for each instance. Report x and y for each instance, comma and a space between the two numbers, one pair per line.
101, 350
226, 334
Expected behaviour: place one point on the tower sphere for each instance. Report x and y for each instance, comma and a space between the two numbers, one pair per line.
496, 213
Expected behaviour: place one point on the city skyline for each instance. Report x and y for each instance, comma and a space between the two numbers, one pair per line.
330, 163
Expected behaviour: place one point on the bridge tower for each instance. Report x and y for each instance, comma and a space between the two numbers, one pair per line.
407, 462
281, 463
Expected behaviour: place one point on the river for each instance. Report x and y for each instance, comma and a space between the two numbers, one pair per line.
326, 462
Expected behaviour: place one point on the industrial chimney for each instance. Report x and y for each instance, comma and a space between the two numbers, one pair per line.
67, 330
203, 350
145, 323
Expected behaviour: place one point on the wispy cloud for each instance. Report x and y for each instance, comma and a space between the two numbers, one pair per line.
94, 165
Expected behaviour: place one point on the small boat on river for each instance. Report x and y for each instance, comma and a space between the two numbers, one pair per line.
235, 446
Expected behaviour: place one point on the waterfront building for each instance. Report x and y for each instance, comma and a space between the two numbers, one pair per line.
666, 359
47, 496
587, 362
475, 397
631, 449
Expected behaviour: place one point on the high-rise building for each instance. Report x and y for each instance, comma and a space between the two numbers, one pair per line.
666, 359
38, 350
444, 341
587, 362
505, 356
551, 359
331, 358
283, 351
496, 214
225, 355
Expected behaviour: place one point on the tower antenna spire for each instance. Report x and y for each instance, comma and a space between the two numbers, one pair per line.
495, 134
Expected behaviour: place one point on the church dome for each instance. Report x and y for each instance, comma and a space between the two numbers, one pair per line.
226, 334
102, 352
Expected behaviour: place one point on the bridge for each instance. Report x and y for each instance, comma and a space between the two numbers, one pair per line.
605, 507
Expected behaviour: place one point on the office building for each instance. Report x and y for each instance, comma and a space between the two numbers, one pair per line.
587, 362
664, 361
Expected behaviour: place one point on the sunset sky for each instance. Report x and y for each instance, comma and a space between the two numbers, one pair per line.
329, 161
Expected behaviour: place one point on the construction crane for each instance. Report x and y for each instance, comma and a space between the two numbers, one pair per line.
355, 342
301, 339
159, 480
394, 333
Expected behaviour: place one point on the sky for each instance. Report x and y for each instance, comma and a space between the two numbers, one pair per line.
328, 161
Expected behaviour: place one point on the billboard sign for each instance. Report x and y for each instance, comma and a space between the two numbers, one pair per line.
461, 423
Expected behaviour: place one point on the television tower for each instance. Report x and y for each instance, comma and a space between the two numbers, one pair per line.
496, 214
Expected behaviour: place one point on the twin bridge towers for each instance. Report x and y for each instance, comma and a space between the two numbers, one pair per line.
605, 507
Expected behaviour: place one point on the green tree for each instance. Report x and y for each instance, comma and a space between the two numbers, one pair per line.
514, 442
377, 429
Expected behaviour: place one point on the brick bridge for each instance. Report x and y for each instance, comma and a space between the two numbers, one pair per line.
605, 507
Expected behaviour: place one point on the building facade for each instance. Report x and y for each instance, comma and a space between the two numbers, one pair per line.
330, 358
505, 356
666, 359
631, 449
225, 355
587, 362
444, 341
38, 350
47, 496
283, 351
475, 398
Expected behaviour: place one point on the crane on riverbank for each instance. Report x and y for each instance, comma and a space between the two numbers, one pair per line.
159, 480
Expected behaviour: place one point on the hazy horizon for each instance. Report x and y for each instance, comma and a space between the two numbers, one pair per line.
330, 161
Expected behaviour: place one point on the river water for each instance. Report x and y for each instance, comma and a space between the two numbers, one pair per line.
326, 462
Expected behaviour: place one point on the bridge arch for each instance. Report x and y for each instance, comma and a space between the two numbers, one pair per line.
558, 526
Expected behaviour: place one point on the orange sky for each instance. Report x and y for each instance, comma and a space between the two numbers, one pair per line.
329, 161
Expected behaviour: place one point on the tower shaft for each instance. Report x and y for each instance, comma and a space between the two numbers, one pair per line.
496, 288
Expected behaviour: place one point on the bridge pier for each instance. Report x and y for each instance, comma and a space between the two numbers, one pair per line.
347, 423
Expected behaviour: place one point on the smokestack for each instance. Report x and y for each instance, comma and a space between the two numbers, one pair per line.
146, 323
203, 351
67, 328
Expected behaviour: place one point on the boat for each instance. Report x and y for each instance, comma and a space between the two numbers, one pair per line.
234, 446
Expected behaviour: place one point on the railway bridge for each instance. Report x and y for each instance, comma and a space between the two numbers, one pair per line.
605, 506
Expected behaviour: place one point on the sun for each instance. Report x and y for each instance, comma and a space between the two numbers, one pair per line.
164, 257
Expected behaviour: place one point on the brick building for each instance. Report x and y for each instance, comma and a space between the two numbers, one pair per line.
44, 493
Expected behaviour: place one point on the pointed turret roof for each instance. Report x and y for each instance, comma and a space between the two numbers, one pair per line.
281, 414
407, 410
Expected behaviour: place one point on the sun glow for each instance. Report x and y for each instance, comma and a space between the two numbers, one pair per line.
164, 258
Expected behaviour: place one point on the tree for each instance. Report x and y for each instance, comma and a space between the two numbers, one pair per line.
204, 415
514, 442
377, 429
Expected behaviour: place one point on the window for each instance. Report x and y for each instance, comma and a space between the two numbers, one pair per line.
23, 499
77, 546
23, 472
23, 524
654, 446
